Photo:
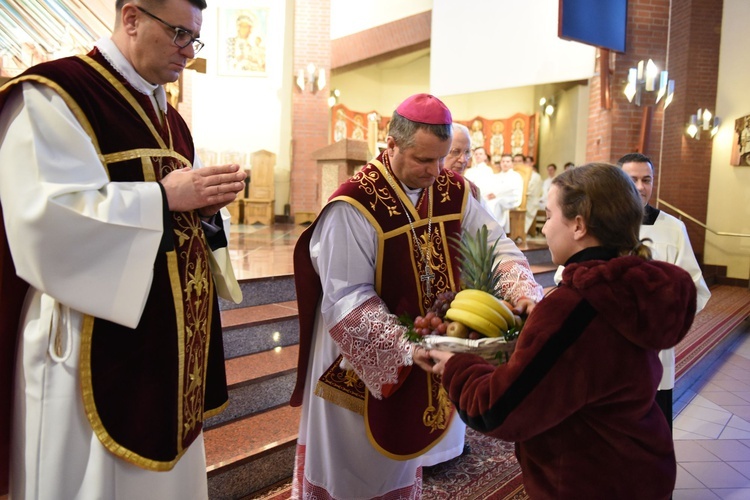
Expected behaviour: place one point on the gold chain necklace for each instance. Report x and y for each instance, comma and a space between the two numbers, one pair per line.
428, 275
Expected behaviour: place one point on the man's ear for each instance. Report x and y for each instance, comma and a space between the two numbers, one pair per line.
130, 18
390, 143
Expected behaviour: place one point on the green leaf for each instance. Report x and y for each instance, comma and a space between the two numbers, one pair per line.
410, 334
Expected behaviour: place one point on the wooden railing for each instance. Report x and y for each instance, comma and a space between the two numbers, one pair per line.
701, 224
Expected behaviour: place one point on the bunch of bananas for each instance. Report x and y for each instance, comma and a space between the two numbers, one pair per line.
482, 312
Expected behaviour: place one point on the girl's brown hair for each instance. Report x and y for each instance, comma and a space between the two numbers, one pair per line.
607, 200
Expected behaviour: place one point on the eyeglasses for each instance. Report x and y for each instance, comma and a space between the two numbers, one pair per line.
182, 37
455, 153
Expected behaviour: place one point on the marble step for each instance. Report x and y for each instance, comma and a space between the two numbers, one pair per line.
251, 454
259, 328
259, 291
258, 382
250, 446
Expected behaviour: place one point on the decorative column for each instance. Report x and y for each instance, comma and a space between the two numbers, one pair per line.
310, 112
686, 42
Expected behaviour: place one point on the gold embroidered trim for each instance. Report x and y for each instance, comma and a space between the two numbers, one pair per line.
92, 415
69, 101
134, 154
339, 398
342, 387
393, 456
212, 413
174, 280
436, 417
117, 84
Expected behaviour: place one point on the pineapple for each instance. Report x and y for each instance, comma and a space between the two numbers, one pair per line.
478, 262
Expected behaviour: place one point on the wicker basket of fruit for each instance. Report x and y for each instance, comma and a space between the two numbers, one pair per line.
473, 320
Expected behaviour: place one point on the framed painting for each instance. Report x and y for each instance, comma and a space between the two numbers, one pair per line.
243, 33
741, 142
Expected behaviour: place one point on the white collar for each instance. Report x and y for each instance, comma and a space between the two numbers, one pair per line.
112, 54
413, 194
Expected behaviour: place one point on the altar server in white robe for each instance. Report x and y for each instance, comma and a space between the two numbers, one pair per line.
669, 243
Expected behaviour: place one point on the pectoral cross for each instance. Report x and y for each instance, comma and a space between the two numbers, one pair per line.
427, 277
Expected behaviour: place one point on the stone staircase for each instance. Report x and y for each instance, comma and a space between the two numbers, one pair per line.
250, 446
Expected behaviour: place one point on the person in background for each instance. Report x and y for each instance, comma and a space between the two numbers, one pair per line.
374, 254
577, 395
460, 154
108, 227
533, 193
504, 192
568, 166
479, 173
546, 184
669, 242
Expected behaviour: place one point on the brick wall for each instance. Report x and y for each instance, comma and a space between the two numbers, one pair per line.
694, 64
310, 112
682, 164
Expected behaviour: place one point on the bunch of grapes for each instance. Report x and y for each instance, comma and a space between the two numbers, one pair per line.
432, 322
442, 303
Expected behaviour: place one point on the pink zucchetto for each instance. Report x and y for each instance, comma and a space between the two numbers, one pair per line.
425, 108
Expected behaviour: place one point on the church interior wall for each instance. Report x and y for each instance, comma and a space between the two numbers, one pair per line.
254, 112
380, 87
348, 17
562, 136
729, 189
246, 113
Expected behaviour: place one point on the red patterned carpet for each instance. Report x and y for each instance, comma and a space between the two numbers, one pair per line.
488, 471
725, 310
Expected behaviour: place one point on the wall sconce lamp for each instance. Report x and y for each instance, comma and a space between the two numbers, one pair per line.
643, 78
313, 77
548, 105
333, 99
703, 120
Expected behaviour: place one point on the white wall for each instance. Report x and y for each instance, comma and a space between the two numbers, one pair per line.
352, 16
729, 188
501, 44
247, 113
382, 87
562, 136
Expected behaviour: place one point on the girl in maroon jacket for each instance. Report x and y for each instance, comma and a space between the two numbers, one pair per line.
577, 395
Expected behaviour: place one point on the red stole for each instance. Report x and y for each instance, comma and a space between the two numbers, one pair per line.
413, 419
146, 390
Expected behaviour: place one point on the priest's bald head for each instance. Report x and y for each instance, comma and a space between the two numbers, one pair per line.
419, 138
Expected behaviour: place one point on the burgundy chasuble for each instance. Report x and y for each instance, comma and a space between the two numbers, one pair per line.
146, 390
414, 417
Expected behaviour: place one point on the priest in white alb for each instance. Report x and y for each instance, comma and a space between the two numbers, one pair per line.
379, 249
112, 355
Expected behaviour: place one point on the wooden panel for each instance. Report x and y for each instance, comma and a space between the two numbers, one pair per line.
262, 176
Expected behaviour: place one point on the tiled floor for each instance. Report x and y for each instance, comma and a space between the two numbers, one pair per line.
260, 251
712, 427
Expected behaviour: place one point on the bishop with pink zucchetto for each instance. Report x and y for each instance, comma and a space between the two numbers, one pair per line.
425, 108
379, 250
